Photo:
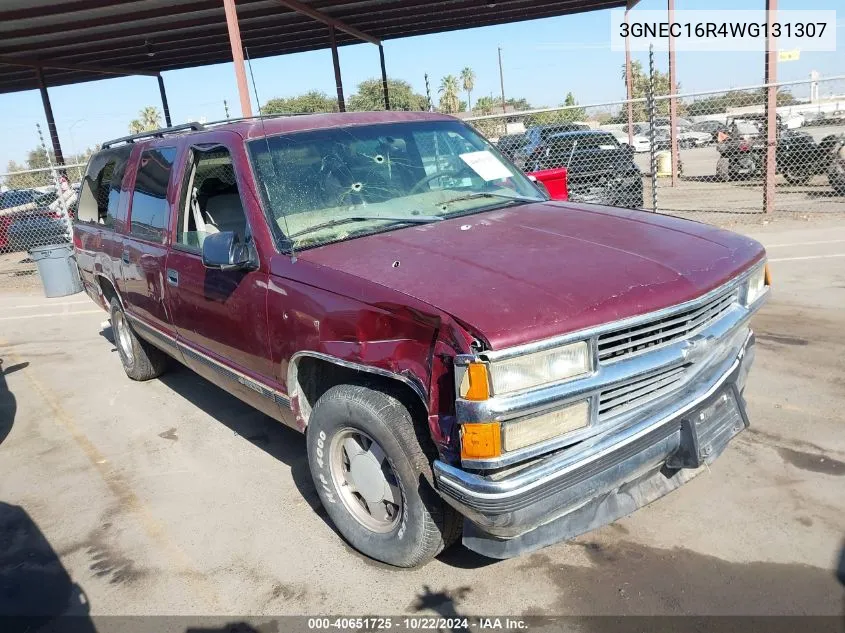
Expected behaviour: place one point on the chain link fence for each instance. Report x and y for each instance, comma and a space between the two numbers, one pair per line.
722, 145
35, 210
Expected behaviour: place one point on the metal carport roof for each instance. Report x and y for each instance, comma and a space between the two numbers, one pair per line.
85, 40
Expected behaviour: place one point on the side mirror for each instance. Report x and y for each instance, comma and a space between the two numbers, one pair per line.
224, 251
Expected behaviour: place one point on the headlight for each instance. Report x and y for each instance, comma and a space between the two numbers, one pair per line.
755, 285
522, 433
540, 368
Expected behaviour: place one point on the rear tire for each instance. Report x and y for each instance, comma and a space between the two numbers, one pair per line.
723, 169
374, 478
141, 360
836, 175
797, 176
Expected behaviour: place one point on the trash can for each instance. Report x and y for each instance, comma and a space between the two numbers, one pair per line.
664, 163
57, 269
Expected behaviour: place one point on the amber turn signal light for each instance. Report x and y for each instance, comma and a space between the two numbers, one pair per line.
476, 384
767, 275
481, 440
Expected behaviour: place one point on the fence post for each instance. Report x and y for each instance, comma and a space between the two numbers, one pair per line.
771, 65
650, 108
56, 183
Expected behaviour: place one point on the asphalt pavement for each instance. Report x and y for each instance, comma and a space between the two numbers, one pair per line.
173, 497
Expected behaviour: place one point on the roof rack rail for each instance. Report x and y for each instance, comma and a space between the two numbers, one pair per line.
274, 115
194, 126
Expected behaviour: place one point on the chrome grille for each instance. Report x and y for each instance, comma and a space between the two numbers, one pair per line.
636, 392
620, 343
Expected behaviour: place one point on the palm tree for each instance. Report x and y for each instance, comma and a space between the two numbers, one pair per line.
468, 83
449, 89
148, 119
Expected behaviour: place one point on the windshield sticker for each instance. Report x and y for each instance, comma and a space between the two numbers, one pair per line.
486, 165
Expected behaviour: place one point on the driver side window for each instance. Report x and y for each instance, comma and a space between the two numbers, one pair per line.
211, 200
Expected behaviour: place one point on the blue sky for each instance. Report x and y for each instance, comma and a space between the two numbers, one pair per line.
543, 60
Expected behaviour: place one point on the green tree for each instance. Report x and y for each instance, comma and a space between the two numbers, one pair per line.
149, 119
449, 89
486, 105
38, 159
559, 116
717, 104
640, 84
311, 102
468, 83
370, 96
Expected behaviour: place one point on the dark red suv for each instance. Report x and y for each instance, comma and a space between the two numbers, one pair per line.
460, 351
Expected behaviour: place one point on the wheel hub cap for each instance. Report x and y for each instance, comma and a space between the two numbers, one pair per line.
365, 480
367, 477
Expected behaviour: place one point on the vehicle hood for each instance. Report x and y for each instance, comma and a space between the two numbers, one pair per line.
530, 272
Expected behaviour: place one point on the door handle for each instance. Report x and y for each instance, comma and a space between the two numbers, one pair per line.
172, 277
124, 257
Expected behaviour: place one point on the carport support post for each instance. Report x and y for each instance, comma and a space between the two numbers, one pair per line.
167, 121
341, 102
771, 109
237, 56
51, 122
384, 78
629, 86
673, 104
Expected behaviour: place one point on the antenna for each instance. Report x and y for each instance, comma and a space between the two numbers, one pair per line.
269, 155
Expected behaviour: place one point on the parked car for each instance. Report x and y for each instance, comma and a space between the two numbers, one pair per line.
686, 138
510, 144
713, 128
798, 157
26, 220
526, 157
599, 169
36, 229
458, 350
638, 143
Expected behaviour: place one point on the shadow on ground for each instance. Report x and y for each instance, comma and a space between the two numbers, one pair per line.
628, 578
8, 403
35, 588
282, 443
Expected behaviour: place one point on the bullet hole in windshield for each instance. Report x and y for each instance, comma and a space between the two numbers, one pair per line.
466, 227
378, 158
396, 264
357, 186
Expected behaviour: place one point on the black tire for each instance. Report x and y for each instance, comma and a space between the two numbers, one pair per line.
141, 360
723, 169
425, 524
836, 175
797, 176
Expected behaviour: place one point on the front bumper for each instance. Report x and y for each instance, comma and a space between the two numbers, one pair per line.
601, 479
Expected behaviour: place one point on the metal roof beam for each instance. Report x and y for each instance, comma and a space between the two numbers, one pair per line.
46, 63
304, 9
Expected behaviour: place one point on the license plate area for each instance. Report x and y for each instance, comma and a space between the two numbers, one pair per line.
707, 430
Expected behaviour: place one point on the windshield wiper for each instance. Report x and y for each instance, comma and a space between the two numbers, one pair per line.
489, 194
415, 219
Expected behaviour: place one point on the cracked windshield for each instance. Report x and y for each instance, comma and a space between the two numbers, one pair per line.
333, 184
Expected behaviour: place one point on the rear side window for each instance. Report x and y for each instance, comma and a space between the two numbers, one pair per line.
99, 200
150, 209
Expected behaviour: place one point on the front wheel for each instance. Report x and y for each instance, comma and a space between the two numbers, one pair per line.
374, 477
